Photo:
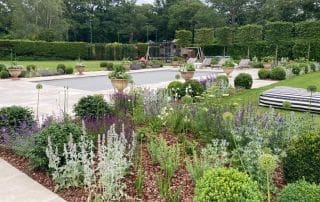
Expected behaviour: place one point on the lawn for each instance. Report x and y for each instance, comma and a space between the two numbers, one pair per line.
93, 65
302, 81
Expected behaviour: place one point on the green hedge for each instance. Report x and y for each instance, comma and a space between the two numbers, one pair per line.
25, 50
41, 49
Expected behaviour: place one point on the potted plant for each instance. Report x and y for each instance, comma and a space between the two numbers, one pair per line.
80, 67
119, 78
175, 61
15, 71
187, 71
228, 67
267, 62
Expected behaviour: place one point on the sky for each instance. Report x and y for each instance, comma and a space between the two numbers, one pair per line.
139, 2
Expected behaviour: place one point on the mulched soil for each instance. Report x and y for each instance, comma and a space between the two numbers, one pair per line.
74, 195
181, 179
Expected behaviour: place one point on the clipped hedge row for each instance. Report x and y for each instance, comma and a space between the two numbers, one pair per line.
261, 49
25, 50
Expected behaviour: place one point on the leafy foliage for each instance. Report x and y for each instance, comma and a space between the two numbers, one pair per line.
222, 184
204, 36
302, 159
243, 80
59, 134
184, 37
92, 106
300, 191
264, 74
278, 73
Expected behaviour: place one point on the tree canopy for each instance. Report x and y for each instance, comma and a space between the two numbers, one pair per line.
103, 21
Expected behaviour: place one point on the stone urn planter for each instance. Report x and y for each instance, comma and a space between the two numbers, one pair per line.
228, 71
80, 68
15, 72
187, 75
267, 65
120, 84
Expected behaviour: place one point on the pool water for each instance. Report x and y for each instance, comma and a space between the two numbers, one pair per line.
98, 83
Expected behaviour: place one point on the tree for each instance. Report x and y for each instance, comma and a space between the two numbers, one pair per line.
204, 36
38, 19
224, 37
184, 37
277, 33
248, 35
230, 8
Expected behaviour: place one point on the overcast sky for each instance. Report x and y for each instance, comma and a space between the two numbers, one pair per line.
139, 2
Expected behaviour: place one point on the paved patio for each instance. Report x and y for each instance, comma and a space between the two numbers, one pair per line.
17, 186
52, 98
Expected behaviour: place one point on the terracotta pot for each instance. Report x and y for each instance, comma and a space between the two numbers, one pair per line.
267, 65
80, 69
188, 75
120, 84
15, 73
228, 71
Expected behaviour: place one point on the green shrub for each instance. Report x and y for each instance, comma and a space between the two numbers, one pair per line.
305, 67
264, 74
91, 106
303, 158
31, 67
109, 66
300, 191
69, 70
278, 73
175, 89
222, 184
4, 74
2, 67
223, 80
15, 117
243, 80
257, 64
61, 68
59, 134
103, 64
313, 67
295, 68
193, 87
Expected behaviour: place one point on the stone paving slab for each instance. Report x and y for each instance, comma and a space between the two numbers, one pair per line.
16, 186
23, 92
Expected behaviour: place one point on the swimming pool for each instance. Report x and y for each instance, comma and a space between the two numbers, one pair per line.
98, 83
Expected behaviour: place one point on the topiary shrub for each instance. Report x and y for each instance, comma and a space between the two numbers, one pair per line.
264, 74
92, 106
303, 158
69, 70
278, 73
103, 64
295, 68
300, 191
61, 68
175, 89
223, 81
243, 80
192, 87
4, 74
59, 134
222, 184
109, 66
